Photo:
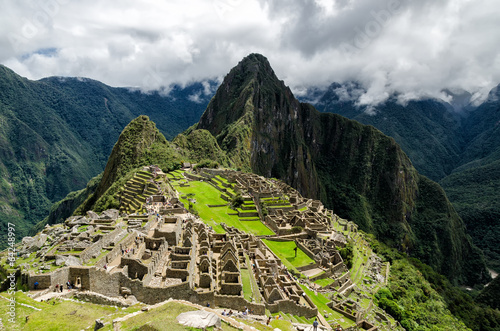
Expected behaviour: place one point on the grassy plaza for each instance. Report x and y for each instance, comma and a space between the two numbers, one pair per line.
205, 194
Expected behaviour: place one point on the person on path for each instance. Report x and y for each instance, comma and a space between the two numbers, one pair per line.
315, 325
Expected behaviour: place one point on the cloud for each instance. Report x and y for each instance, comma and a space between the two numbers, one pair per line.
412, 48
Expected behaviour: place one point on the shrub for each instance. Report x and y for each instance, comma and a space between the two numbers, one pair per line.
237, 201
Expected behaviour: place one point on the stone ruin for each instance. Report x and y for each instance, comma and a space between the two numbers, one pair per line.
173, 254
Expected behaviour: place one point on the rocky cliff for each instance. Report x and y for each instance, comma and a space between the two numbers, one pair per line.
354, 169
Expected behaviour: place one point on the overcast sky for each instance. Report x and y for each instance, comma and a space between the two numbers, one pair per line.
414, 47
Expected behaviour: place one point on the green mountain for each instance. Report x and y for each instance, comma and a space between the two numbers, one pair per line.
427, 130
56, 134
362, 166
456, 144
473, 187
354, 169
490, 294
140, 144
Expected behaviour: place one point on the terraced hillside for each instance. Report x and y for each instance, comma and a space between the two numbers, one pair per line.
136, 191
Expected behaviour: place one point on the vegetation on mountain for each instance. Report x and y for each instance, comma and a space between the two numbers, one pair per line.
460, 149
422, 299
200, 145
57, 133
354, 169
139, 144
490, 294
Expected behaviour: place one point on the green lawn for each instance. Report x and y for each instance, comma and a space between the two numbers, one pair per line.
324, 282
57, 314
253, 283
285, 252
205, 194
247, 287
163, 318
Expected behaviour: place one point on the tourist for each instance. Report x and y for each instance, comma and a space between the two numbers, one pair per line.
268, 320
224, 313
315, 325
61, 287
57, 288
36, 285
230, 313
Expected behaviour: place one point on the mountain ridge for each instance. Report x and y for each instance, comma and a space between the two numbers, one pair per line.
457, 148
56, 134
357, 171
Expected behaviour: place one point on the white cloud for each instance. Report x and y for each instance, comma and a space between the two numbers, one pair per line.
416, 48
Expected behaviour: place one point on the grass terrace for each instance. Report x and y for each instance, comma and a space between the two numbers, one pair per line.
320, 301
285, 252
222, 179
359, 263
324, 282
247, 286
205, 194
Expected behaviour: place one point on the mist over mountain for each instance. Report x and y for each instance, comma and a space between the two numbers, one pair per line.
454, 142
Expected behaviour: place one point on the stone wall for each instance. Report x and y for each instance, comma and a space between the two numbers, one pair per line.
306, 250
308, 267
95, 249
192, 176
339, 266
99, 299
80, 274
153, 295
115, 252
44, 281
135, 267
290, 307
149, 225
324, 275
239, 303
105, 283
157, 257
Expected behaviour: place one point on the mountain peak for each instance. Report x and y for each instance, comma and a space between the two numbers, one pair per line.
254, 63
354, 169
